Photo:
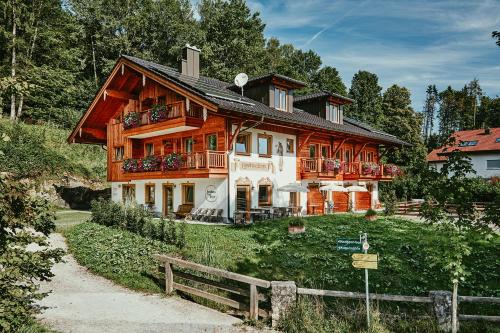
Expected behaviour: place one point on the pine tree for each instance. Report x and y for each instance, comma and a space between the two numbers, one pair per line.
474, 93
429, 111
449, 112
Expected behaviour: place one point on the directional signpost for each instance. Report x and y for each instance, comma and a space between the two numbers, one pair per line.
360, 259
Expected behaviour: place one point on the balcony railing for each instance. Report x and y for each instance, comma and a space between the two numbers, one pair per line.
161, 113
334, 167
176, 162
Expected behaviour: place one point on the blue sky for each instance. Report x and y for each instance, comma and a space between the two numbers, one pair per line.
410, 43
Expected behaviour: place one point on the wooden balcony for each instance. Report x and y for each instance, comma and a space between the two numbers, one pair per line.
164, 119
207, 164
331, 169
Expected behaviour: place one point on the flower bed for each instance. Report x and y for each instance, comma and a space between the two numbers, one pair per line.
332, 165
391, 170
131, 120
371, 169
158, 113
172, 161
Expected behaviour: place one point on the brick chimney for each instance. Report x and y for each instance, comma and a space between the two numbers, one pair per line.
190, 62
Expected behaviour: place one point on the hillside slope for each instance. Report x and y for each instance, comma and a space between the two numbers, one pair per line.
41, 152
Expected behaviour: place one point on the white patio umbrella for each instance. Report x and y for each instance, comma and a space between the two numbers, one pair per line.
293, 187
356, 188
333, 187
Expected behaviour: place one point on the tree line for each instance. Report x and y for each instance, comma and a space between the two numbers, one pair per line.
55, 54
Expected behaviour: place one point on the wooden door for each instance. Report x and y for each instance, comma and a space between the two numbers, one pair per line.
168, 199
363, 200
340, 201
315, 201
243, 202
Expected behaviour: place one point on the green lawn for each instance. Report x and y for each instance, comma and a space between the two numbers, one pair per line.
66, 218
267, 251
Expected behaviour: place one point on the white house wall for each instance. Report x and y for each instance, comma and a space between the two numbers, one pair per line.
478, 164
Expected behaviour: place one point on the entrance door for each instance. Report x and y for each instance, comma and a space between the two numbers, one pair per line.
363, 200
340, 201
315, 200
243, 203
168, 199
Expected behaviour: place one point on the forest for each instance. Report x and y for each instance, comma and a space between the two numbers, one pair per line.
55, 54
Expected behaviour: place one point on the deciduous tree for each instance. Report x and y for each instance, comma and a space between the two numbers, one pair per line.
366, 92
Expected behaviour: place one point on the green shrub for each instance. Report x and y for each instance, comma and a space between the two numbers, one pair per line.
296, 222
390, 202
370, 212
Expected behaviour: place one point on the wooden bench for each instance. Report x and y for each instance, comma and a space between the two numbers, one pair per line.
183, 210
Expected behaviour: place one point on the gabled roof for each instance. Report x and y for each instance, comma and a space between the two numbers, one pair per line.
473, 141
268, 76
320, 94
218, 93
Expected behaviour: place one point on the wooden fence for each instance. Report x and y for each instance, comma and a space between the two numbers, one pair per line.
412, 208
411, 299
252, 309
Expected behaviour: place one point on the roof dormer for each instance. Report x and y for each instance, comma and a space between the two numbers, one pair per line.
324, 104
273, 90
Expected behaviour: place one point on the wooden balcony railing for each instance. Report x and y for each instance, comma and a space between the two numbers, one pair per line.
333, 167
161, 113
177, 161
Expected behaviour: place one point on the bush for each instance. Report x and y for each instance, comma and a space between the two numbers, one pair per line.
390, 202
296, 222
139, 221
370, 212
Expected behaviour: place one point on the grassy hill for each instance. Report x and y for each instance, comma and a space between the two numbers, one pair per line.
41, 152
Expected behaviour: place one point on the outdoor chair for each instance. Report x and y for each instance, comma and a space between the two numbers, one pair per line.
183, 210
208, 214
239, 218
218, 215
189, 216
199, 214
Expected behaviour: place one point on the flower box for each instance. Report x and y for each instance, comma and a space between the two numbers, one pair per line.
158, 113
332, 165
131, 120
293, 229
370, 169
132, 165
151, 163
172, 161
391, 170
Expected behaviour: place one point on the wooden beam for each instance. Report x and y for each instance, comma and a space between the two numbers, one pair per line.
234, 135
359, 152
299, 149
120, 94
95, 132
339, 146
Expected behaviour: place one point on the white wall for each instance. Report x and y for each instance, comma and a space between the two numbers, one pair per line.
200, 186
478, 161
278, 177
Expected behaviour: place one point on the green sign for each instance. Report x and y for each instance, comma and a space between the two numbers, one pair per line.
349, 245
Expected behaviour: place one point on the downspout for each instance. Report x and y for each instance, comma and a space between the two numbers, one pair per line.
228, 188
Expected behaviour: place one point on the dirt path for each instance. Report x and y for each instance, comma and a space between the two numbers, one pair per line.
83, 302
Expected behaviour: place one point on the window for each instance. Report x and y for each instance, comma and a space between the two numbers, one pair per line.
243, 144
497, 140
265, 195
128, 194
188, 145
119, 152
348, 155
325, 150
294, 199
338, 154
333, 112
149, 192
290, 146
369, 157
188, 194
362, 156
467, 143
212, 141
265, 145
280, 99
312, 151
492, 164
150, 149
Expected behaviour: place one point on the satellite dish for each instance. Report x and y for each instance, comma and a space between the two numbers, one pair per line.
240, 80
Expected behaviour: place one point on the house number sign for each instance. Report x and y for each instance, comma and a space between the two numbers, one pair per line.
211, 193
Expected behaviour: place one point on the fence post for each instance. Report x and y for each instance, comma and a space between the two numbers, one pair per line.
283, 297
254, 302
169, 278
442, 307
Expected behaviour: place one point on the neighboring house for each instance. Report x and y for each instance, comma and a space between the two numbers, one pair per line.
177, 138
482, 146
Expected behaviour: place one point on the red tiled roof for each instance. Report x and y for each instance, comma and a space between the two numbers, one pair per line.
485, 142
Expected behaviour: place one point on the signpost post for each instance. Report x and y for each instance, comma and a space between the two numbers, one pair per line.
366, 246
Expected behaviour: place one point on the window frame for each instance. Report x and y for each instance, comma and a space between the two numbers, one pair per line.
115, 156
269, 201
493, 168
207, 141
277, 98
147, 194
269, 139
290, 146
315, 150
185, 145
146, 145
184, 194
248, 138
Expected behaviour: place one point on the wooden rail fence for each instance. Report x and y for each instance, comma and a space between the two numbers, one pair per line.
412, 208
252, 309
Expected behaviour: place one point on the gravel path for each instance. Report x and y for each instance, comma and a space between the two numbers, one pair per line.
83, 302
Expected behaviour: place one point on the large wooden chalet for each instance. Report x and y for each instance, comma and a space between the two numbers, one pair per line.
179, 140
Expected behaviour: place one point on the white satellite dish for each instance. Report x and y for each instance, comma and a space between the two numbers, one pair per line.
240, 80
